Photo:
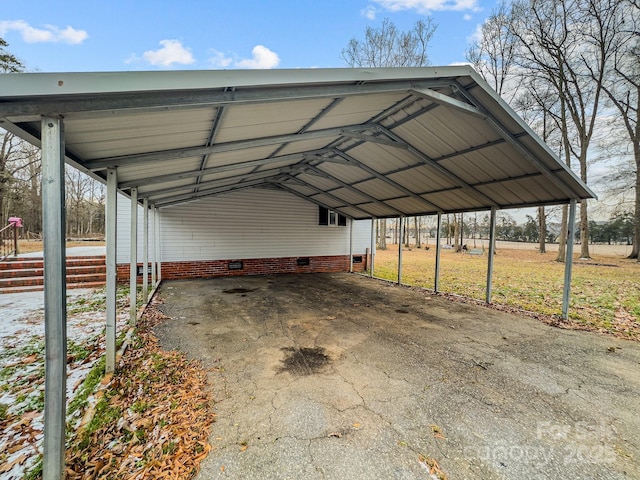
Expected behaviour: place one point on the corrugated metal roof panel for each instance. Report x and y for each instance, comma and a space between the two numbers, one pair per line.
438, 132
380, 189
244, 122
357, 110
137, 133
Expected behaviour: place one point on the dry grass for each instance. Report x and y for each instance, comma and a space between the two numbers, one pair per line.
605, 291
29, 246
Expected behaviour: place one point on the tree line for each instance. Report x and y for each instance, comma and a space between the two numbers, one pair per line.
458, 230
20, 182
570, 68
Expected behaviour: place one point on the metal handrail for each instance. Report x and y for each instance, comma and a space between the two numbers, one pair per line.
10, 248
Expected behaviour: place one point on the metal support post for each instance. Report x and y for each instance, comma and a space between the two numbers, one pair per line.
351, 245
154, 235
373, 245
16, 247
145, 251
436, 283
568, 262
55, 306
112, 272
401, 235
492, 252
133, 261
158, 259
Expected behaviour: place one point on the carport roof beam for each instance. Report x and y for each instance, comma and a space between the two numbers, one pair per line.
354, 189
424, 159
294, 157
208, 192
213, 183
384, 178
175, 154
319, 191
143, 101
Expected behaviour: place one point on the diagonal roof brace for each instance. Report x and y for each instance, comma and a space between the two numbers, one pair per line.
373, 139
297, 181
513, 140
354, 189
357, 163
424, 159
447, 101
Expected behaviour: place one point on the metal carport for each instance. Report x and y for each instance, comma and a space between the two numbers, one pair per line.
367, 143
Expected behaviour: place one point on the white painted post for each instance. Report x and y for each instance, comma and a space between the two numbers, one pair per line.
436, 283
145, 251
55, 305
133, 260
492, 252
568, 262
111, 236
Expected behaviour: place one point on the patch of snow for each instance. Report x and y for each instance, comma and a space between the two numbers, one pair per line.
22, 355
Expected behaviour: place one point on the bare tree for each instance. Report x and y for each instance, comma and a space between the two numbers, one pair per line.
492, 54
387, 46
569, 44
622, 87
9, 147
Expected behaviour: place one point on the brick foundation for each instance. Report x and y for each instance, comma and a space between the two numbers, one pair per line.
252, 266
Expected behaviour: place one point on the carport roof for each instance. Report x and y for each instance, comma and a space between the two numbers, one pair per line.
364, 142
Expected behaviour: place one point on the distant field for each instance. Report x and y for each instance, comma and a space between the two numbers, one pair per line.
28, 246
605, 291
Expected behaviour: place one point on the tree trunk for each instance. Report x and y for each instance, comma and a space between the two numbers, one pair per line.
542, 230
382, 239
584, 231
562, 238
416, 223
456, 234
635, 251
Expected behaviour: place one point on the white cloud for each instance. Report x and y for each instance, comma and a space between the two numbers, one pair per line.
467, 17
425, 6
50, 33
369, 12
171, 52
476, 36
219, 59
262, 58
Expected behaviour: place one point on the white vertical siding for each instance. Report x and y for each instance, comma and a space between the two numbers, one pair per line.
248, 224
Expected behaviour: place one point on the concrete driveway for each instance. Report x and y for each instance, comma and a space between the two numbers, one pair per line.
340, 376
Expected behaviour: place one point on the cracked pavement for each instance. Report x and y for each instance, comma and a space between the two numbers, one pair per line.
410, 376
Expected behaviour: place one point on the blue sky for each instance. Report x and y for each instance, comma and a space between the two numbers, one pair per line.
111, 35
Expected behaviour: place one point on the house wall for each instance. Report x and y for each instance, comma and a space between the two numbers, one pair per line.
267, 230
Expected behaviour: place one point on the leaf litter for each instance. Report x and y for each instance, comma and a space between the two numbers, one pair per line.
152, 416
161, 418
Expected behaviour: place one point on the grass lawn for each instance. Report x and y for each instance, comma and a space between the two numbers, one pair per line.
28, 246
605, 291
